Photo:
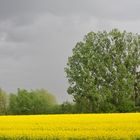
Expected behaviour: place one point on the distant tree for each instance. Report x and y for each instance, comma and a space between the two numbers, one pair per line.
43, 101
55, 109
21, 103
31, 102
102, 72
82, 106
67, 108
3, 102
13, 107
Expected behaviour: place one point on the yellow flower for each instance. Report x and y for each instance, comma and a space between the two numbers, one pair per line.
81, 126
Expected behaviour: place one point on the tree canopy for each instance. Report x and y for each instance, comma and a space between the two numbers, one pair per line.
31, 102
103, 72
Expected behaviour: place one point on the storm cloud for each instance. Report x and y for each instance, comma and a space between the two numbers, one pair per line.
37, 36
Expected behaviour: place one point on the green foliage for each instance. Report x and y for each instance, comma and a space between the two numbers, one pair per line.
13, 105
31, 102
43, 101
3, 102
67, 108
102, 72
37, 101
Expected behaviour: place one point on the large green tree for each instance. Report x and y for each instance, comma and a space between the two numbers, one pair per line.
102, 72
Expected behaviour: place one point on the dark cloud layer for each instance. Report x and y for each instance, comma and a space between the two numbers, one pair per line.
37, 36
110, 9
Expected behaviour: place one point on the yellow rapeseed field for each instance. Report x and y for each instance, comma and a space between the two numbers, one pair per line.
80, 126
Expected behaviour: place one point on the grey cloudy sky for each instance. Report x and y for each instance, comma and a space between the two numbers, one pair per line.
37, 36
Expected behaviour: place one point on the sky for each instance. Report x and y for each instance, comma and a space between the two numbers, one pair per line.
37, 37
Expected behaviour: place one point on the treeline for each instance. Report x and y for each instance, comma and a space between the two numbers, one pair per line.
38, 101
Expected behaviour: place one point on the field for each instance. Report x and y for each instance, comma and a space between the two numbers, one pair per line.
84, 126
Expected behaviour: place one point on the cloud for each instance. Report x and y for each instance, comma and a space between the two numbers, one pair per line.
110, 9
37, 36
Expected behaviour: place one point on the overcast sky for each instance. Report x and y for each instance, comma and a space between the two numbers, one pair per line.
37, 36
